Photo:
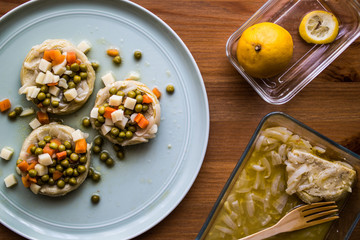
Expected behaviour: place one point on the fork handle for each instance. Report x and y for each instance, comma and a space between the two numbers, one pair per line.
265, 233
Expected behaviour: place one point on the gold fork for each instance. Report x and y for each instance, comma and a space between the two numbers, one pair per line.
299, 218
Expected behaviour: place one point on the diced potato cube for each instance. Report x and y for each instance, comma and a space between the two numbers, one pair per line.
105, 129
134, 75
63, 83
54, 90
56, 79
40, 78
44, 65
49, 77
77, 135
117, 115
70, 94
108, 122
6, 153
130, 103
60, 68
10, 180
121, 124
45, 159
18, 171
27, 112
115, 100
94, 113
35, 92
35, 123
84, 46
41, 169
35, 188
108, 79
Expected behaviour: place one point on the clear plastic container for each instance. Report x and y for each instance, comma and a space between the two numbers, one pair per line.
308, 59
349, 207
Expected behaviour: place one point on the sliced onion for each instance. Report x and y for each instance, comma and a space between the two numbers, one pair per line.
275, 185
258, 168
224, 229
250, 206
266, 220
267, 165
280, 203
229, 222
259, 143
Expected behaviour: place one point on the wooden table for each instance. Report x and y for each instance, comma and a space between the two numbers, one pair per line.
330, 104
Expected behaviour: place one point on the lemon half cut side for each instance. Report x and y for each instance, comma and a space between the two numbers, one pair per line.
319, 27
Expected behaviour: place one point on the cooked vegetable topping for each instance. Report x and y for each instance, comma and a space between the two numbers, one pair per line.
5, 105
170, 88
137, 55
156, 92
95, 198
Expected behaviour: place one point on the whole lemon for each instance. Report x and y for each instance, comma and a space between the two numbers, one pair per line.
265, 50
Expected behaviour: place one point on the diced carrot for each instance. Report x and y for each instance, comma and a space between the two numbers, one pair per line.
59, 59
43, 117
40, 105
25, 182
47, 55
112, 52
32, 165
156, 92
146, 99
5, 105
61, 155
55, 140
143, 123
108, 112
81, 146
57, 174
48, 150
32, 180
23, 165
29, 148
54, 54
52, 84
71, 57
78, 61
138, 117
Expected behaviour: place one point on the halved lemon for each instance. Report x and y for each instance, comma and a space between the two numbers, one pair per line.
319, 27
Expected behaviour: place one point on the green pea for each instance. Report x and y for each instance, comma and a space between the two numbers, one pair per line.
66, 77
104, 156
101, 110
45, 178
68, 152
12, 115
71, 84
41, 143
75, 67
120, 93
145, 107
170, 88
65, 163
44, 89
41, 96
129, 134
19, 161
101, 119
138, 108
139, 98
61, 148
32, 173
110, 162
96, 177
83, 75
81, 169
137, 55
97, 123
113, 90
40, 182
60, 183
131, 94
132, 128
128, 112
55, 104
115, 131
95, 65
117, 147
83, 159
74, 157
120, 155
86, 122
47, 138
51, 182
32, 149
36, 101
18, 110
76, 173
137, 92
121, 107
90, 172
59, 168
67, 67
95, 198
38, 151
53, 145
98, 141
69, 171
83, 67
96, 149
48, 95
54, 162
72, 181
46, 102
117, 59
106, 105
51, 170
67, 144
122, 134
77, 79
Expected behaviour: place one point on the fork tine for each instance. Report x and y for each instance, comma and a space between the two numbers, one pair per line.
319, 215
318, 204
322, 220
308, 212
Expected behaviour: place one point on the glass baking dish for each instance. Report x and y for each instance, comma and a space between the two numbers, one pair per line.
308, 59
349, 207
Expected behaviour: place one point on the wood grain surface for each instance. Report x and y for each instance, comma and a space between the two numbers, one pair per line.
330, 104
